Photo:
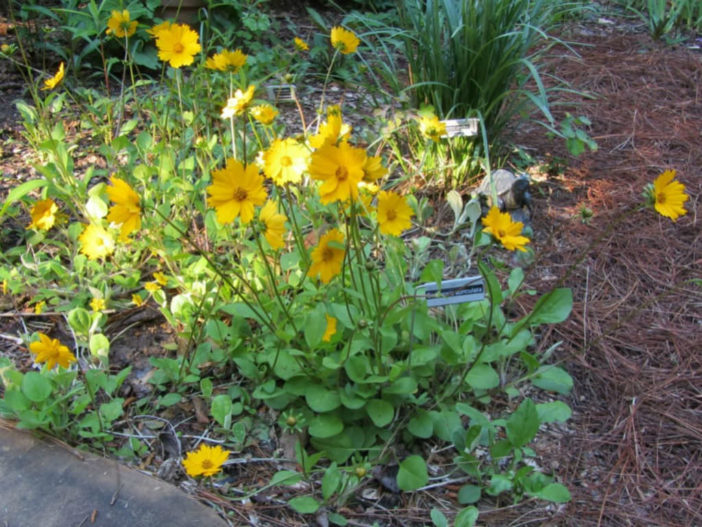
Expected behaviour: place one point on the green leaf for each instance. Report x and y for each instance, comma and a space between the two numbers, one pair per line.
421, 425
324, 426
170, 399
221, 409
433, 272
553, 307
554, 492
330, 481
468, 494
285, 477
112, 410
357, 367
320, 399
304, 504
482, 377
445, 423
516, 277
553, 378
380, 411
100, 347
315, 327
467, 517
523, 424
438, 518
36, 387
412, 474
21, 191
556, 411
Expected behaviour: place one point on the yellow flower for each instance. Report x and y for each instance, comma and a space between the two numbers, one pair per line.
97, 304
393, 213
177, 44
126, 211
501, 226
264, 113
300, 44
161, 278
96, 242
432, 128
120, 25
226, 60
50, 84
39, 307
331, 130
4, 286
43, 215
235, 191
156, 30
373, 169
237, 104
51, 351
340, 168
206, 461
331, 329
669, 196
344, 40
328, 256
137, 300
285, 161
275, 225
152, 287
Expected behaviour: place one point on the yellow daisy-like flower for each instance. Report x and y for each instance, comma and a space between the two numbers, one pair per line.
340, 168
205, 461
137, 300
332, 130
508, 232
43, 215
39, 307
331, 329
96, 242
97, 304
432, 128
373, 169
394, 213
161, 278
120, 25
156, 30
51, 351
126, 210
50, 84
264, 113
669, 196
328, 256
300, 44
344, 40
237, 105
152, 287
177, 44
227, 60
235, 191
285, 161
275, 225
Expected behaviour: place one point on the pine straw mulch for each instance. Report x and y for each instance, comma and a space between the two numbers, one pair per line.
634, 340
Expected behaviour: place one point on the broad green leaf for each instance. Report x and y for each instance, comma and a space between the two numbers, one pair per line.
421, 425
553, 378
433, 271
516, 277
445, 423
170, 399
35, 386
100, 347
555, 411
21, 191
468, 494
112, 410
330, 481
554, 492
438, 518
381, 412
523, 424
320, 399
304, 504
324, 426
553, 307
467, 517
412, 474
402, 386
285, 477
221, 409
482, 377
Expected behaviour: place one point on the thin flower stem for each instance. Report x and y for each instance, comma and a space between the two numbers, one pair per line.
299, 240
324, 88
180, 95
232, 130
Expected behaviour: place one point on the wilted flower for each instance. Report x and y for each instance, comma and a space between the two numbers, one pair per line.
235, 191
50, 84
328, 256
177, 44
508, 232
393, 213
344, 40
96, 242
275, 225
668, 195
43, 215
340, 168
120, 24
285, 161
226, 60
206, 461
126, 211
51, 351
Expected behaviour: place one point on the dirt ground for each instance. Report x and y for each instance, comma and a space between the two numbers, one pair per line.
632, 454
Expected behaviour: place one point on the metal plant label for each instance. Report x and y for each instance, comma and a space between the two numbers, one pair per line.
455, 291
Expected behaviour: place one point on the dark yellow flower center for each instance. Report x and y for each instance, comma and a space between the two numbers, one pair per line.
501, 233
327, 254
207, 464
342, 174
660, 197
240, 194
285, 161
391, 215
178, 47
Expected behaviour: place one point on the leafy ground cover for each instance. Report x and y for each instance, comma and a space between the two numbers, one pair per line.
630, 343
